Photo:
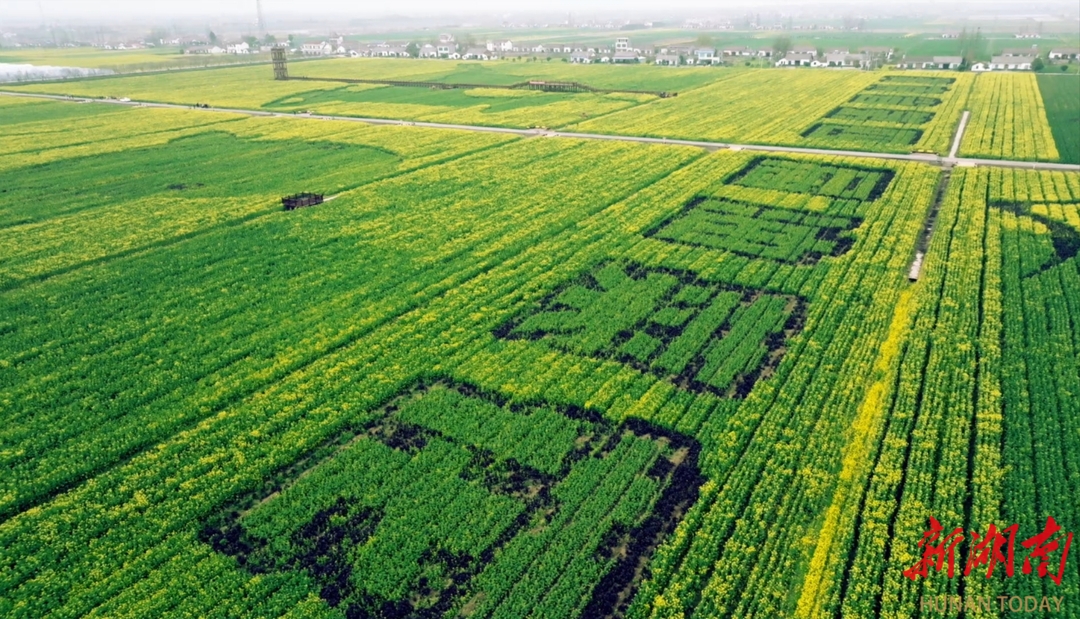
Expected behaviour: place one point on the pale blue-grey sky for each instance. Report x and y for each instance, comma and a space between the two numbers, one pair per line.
124, 10
55, 9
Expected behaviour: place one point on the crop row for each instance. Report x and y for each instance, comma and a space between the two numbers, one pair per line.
667, 322
897, 113
978, 420
121, 407
402, 517
275, 412
731, 556
739, 106
870, 137
816, 178
877, 114
321, 317
759, 231
908, 87
1008, 119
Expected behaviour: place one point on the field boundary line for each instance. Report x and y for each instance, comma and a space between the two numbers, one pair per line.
711, 146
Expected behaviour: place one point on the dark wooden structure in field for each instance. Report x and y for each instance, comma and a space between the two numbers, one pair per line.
301, 200
281, 68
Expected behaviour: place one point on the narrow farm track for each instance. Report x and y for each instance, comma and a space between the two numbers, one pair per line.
959, 135
917, 157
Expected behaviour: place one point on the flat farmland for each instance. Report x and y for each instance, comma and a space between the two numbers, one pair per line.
498, 376
120, 61
1061, 100
896, 112
1008, 119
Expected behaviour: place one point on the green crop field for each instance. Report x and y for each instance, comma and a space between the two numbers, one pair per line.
120, 61
850, 110
508, 375
1061, 95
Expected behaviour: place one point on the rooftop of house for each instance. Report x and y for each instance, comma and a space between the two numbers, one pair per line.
1012, 59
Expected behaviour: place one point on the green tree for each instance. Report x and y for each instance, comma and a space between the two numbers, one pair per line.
212, 38
412, 49
1038, 64
252, 42
781, 46
269, 39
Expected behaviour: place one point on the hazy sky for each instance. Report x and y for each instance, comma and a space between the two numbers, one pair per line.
123, 10
59, 9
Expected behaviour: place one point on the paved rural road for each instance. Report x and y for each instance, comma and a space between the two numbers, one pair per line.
919, 157
959, 135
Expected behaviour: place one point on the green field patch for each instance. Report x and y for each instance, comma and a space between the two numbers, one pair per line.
896, 100
880, 115
907, 88
637, 77
702, 336
448, 496
809, 177
1062, 224
436, 97
917, 79
199, 166
862, 136
49, 111
758, 231
1061, 99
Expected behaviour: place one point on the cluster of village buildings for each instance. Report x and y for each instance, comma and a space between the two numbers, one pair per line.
622, 52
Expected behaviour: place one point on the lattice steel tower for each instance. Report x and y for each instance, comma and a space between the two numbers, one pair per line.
281, 69
262, 22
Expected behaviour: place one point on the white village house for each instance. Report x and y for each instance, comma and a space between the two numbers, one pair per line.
669, 60
1064, 53
475, 53
796, 60
705, 55
840, 59
912, 62
1020, 51
738, 51
204, 49
1012, 63
446, 49
316, 48
947, 62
